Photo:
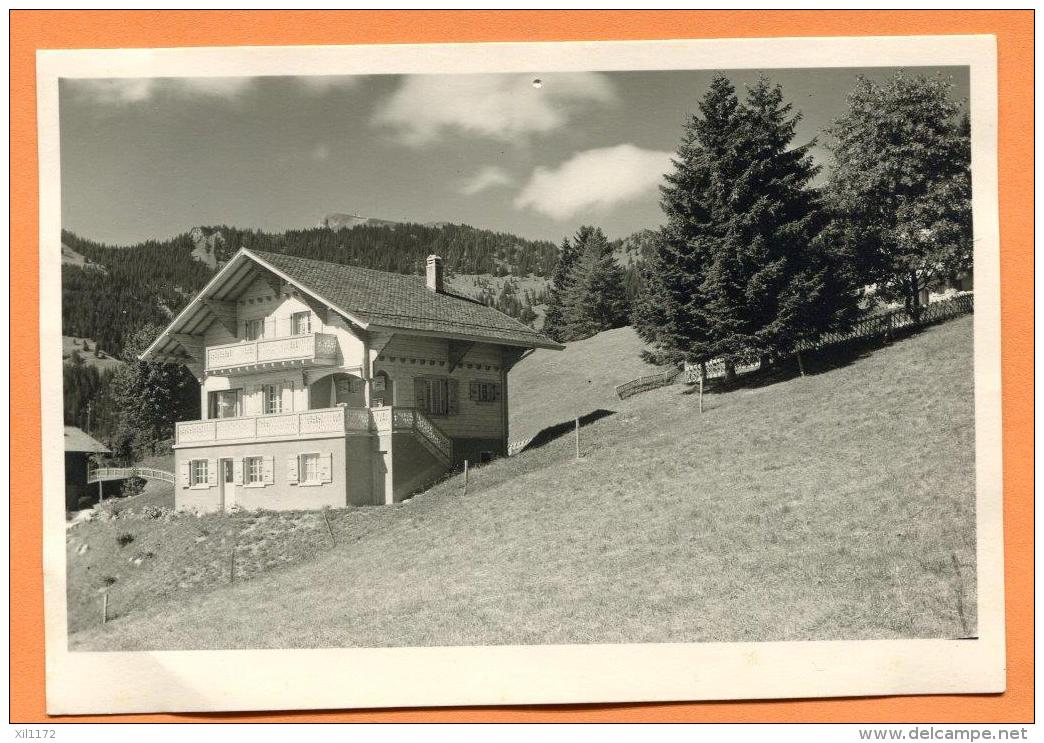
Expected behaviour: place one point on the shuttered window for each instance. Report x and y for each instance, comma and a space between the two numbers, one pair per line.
226, 404
254, 472
309, 468
198, 472
436, 395
254, 329
484, 391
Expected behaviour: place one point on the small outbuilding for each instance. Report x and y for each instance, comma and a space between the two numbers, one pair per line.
78, 449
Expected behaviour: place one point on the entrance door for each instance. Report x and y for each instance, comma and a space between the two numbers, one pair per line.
228, 485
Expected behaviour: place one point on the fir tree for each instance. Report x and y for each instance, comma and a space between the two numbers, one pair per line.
561, 280
739, 273
668, 313
595, 299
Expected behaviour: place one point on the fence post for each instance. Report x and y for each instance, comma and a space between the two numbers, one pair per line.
465, 477
232, 566
801, 365
701, 394
105, 607
577, 429
329, 528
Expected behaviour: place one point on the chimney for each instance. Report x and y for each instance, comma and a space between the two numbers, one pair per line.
435, 273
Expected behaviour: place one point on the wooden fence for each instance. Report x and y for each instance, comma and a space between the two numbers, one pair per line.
877, 326
646, 383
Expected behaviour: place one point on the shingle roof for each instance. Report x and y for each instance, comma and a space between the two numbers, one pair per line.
399, 301
77, 440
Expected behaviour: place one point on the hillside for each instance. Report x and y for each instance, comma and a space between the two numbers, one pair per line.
548, 388
834, 506
93, 357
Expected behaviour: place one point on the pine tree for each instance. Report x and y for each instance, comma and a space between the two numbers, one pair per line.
561, 280
739, 273
595, 299
900, 187
668, 313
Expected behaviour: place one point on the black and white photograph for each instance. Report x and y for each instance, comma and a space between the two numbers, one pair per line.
511, 355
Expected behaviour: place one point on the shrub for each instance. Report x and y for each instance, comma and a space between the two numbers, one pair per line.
123, 539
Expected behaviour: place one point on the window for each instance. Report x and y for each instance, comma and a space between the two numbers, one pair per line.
301, 323
197, 472
273, 398
255, 329
309, 468
433, 395
253, 470
484, 391
225, 404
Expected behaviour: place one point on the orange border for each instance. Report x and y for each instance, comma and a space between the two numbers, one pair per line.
32, 30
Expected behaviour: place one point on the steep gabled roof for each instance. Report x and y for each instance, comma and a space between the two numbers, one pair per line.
369, 299
77, 440
392, 300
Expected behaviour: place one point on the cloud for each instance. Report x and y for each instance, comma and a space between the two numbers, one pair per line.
489, 177
594, 179
326, 83
320, 152
116, 91
505, 107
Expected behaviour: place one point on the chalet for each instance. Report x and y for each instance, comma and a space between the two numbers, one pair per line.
330, 385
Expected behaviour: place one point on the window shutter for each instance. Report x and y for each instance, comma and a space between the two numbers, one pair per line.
237, 472
268, 470
473, 391
452, 386
325, 468
291, 470
420, 389
496, 392
183, 474
212, 473
256, 401
288, 397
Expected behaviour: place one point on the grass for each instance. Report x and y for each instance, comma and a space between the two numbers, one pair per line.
834, 506
549, 387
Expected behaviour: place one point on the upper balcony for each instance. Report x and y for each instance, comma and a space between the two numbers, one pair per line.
312, 349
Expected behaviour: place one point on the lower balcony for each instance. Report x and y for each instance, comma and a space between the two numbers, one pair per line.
297, 425
321, 423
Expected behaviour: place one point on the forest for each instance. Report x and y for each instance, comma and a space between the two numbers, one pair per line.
122, 289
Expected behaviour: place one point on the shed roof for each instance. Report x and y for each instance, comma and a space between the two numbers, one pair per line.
77, 440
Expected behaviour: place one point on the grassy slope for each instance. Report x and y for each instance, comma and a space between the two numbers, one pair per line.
827, 507
70, 344
552, 387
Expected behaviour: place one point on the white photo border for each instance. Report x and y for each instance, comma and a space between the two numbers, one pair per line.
242, 680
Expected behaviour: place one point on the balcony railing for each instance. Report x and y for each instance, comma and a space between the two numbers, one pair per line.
335, 421
310, 349
411, 419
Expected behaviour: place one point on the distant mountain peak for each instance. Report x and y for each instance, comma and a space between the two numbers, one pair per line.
339, 221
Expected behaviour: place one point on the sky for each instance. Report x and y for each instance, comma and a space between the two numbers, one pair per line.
536, 154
